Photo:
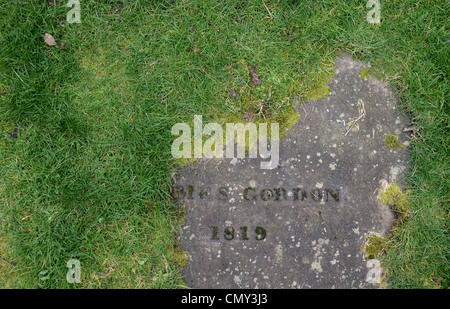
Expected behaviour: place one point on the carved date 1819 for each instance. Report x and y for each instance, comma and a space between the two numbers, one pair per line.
229, 233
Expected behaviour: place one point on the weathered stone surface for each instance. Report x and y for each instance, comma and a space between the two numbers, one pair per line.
306, 230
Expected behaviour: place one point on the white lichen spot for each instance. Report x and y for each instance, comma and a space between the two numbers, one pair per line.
394, 171
319, 250
278, 253
374, 273
237, 280
316, 266
332, 166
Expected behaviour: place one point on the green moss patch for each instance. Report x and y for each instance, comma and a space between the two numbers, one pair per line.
366, 73
396, 199
287, 120
321, 88
374, 245
391, 141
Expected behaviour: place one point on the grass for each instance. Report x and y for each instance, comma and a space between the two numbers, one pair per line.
89, 173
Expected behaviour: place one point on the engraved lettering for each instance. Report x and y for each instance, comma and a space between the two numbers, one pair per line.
316, 194
223, 194
304, 194
266, 194
252, 197
335, 195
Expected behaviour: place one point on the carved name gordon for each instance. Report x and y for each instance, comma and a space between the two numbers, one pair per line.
255, 194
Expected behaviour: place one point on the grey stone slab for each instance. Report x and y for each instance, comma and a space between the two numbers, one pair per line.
302, 224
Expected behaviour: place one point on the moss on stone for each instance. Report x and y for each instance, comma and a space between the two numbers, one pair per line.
287, 120
183, 161
320, 92
320, 88
391, 141
374, 245
365, 73
180, 257
395, 199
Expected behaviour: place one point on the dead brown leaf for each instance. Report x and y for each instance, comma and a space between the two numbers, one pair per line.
50, 40
14, 133
255, 76
248, 116
384, 184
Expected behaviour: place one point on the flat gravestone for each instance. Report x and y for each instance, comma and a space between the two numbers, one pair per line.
302, 224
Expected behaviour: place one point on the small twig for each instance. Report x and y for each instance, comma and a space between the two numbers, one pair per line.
304, 109
362, 113
153, 63
150, 65
7, 262
270, 14
261, 111
412, 128
354, 122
